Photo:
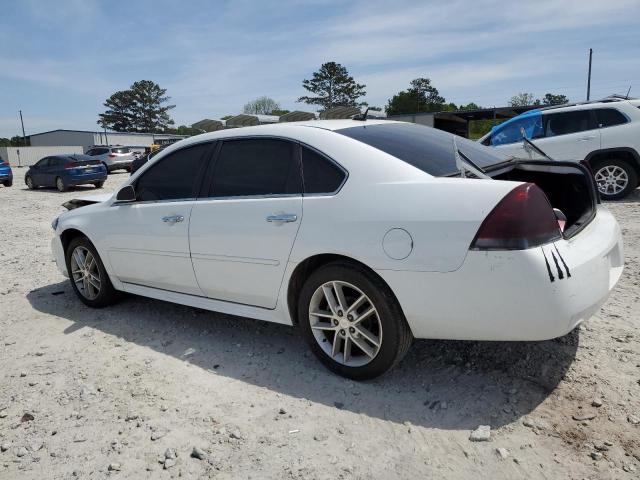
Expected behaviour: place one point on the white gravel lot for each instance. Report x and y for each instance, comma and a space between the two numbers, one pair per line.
114, 392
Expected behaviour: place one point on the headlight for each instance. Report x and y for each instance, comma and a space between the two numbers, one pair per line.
54, 224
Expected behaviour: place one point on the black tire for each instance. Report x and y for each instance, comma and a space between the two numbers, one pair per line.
60, 185
107, 294
8, 183
632, 177
396, 337
29, 182
99, 184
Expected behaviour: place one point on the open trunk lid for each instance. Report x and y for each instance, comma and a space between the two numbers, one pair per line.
88, 200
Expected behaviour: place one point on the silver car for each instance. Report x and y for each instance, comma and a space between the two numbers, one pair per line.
114, 158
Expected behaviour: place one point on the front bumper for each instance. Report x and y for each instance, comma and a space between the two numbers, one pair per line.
58, 255
509, 295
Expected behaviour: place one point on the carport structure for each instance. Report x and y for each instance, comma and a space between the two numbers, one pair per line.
246, 120
297, 116
208, 125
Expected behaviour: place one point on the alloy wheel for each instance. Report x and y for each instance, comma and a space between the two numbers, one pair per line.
30, 183
611, 179
345, 323
85, 273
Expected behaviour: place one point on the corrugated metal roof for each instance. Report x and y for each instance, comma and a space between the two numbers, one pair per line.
297, 116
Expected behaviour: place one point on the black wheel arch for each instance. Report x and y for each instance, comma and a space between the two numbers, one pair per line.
69, 234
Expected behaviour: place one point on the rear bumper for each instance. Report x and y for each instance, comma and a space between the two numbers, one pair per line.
5, 177
116, 164
510, 295
87, 178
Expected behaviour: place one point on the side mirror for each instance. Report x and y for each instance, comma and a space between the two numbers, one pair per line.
126, 194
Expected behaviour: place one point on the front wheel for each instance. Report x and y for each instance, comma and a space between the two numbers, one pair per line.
29, 181
615, 179
60, 185
87, 274
352, 321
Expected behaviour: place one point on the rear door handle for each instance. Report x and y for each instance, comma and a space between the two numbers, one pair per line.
282, 218
173, 219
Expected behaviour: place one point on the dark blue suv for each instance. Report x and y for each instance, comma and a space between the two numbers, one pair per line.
6, 175
64, 171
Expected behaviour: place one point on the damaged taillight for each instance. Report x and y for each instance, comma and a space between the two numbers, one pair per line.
523, 219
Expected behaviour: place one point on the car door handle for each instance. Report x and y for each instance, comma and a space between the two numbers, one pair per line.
584, 139
283, 218
173, 219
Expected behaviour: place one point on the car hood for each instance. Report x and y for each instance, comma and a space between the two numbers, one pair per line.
88, 200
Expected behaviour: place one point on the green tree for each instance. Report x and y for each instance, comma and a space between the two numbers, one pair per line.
554, 99
332, 86
261, 106
523, 100
279, 112
421, 96
141, 108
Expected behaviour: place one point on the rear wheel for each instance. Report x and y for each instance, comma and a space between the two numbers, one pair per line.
87, 274
8, 183
615, 178
60, 185
99, 184
29, 181
352, 321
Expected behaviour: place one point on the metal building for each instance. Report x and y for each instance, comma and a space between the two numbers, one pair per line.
87, 138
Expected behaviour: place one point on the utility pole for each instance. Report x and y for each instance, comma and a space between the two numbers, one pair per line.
24, 137
589, 77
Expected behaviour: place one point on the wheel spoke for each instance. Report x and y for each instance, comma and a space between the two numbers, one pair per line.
77, 254
331, 300
364, 316
362, 345
93, 283
347, 349
337, 342
323, 326
321, 314
356, 304
340, 296
368, 335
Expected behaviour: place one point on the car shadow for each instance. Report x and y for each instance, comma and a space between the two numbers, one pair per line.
633, 197
443, 384
77, 188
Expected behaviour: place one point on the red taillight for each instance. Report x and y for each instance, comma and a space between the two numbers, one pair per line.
523, 219
112, 155
69, 166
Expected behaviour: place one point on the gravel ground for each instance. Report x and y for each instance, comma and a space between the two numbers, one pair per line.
148, 389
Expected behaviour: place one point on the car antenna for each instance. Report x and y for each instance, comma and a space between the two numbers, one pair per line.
362, 116
628, 92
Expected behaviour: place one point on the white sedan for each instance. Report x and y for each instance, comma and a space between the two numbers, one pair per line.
363, 233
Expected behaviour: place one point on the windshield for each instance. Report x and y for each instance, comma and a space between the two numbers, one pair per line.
426, 148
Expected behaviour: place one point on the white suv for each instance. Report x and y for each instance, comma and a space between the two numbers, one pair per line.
604, 134
113, 158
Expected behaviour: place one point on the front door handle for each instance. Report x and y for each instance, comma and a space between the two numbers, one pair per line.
282, 218
172, 219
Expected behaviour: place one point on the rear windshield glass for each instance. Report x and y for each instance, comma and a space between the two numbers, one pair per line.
121, 150
426, 148
80, 158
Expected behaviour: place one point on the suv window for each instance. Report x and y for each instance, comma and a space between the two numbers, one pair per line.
174, 176
91, 152
320, 174
256, 167
564, 123
609, 117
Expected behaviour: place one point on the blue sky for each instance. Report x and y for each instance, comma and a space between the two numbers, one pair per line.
59, 60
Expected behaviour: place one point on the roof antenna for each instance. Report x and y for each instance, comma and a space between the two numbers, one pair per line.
628, 92
362, 116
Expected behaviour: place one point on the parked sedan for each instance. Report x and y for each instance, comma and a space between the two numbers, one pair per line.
364, 234
64, 171
113, 158
6, 175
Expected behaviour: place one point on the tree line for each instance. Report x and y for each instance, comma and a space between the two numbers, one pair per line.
145, 107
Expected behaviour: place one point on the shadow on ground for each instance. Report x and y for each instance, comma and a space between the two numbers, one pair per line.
442, 384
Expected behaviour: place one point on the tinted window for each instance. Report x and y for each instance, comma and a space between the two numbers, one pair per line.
90, 152
426, 148
608, 117
174, 176
319, 173
564, 123
511, 131
256, 167
121, 150
43, 163
56, 162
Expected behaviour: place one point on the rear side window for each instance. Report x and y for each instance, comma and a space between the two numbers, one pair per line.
320, 174
564, 123
256, 167
174, 176
121, 150
608, 117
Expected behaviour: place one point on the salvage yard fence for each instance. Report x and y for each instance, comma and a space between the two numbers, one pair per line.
27, 156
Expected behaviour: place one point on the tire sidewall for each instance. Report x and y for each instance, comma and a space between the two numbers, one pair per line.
58, 182
29, 182
384, 302
631, 176
105, 297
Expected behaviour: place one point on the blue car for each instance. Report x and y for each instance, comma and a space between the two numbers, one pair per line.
6, 175
64, 171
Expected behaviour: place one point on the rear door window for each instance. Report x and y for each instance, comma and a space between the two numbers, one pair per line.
609, 117
175, 176
565, 123
252, 167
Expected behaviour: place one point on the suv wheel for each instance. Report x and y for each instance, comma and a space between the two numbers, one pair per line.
615, 179
352, 321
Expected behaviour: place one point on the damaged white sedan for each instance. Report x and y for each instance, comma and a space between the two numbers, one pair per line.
365, 234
